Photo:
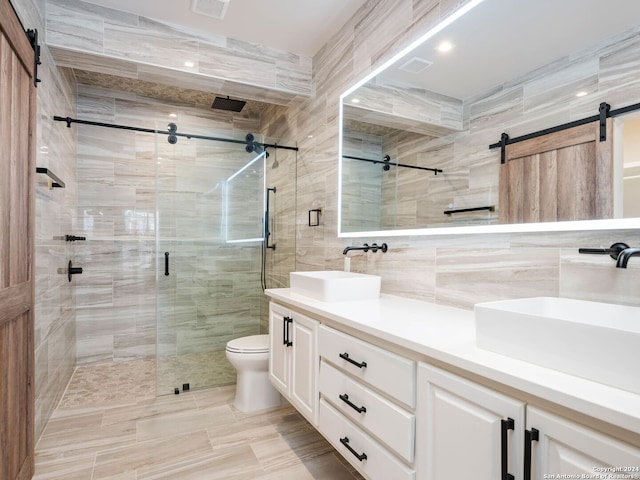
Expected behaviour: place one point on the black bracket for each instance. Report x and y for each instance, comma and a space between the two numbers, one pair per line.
604, 113
32, 34
316, 223
504, 138
55, 180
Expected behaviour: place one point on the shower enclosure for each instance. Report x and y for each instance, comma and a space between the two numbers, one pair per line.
210, 207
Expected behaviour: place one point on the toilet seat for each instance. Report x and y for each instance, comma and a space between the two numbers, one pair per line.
250, 344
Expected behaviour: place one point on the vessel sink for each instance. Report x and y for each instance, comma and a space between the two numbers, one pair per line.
596, 341
335, 285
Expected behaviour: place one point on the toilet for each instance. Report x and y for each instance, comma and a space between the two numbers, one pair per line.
250, 357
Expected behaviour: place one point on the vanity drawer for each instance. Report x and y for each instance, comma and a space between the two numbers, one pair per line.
391, 424
390, 373
379, 464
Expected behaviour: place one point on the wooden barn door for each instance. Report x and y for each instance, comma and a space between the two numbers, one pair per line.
17, 170
566, 175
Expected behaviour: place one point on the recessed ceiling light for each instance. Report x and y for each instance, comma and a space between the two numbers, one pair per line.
355, 100
309, 136
581, 94
189, 64
173, 115
445, 46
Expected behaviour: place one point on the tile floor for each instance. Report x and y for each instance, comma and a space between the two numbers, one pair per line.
110, 425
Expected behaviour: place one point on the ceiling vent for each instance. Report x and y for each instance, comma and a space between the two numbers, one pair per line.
210, 8
415, 65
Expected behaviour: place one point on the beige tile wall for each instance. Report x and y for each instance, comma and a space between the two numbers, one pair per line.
98, 39
55, 329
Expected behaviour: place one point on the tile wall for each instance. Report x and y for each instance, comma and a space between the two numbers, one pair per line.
103, 40
55, 328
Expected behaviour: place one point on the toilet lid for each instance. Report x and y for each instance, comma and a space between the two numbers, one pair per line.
250, 344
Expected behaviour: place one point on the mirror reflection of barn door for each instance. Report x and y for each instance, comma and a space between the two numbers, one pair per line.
565, 175
17, 170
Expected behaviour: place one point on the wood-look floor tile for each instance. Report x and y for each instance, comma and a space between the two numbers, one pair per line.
172, 424
323, 467
290, 449
194, 435
148, 409
151, 455
90, 440
233, 463
66, 468
263, 426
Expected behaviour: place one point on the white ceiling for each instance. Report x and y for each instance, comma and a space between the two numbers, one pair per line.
500, 40
298, 26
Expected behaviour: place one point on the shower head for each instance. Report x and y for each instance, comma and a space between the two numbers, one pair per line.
228, 104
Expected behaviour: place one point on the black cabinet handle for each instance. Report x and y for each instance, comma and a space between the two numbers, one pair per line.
166, 264
284, 331
530, 436
508, 424
286, 341
359, 456
345, 399
345, 356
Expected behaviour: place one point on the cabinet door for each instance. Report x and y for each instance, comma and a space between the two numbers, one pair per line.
305, 366
278, 350
564, 449
460, 429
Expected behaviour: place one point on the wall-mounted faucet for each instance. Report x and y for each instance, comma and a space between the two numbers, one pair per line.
625, 255
365, 248
620, 252
374, 248
613, 251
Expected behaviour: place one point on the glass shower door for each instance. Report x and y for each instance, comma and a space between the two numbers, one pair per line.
209, 207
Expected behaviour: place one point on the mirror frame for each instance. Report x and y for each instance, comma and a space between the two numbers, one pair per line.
574, 225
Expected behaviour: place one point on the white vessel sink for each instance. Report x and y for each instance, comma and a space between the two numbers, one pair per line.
596, 341
335, 285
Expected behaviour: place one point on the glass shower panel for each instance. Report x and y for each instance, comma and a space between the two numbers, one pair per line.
209, 207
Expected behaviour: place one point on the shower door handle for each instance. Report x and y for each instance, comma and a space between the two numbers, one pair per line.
166, 263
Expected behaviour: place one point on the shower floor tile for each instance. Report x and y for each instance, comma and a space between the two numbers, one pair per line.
111, 424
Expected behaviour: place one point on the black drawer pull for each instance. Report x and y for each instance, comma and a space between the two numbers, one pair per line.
530, 436
345, 356
359, 456
166, 263
345, 399
508, 424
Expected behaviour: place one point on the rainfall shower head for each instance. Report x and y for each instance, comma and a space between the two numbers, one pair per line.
228, 104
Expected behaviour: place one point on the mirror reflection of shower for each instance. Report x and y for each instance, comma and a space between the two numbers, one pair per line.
245, 201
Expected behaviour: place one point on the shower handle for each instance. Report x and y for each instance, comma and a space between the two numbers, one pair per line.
166, 264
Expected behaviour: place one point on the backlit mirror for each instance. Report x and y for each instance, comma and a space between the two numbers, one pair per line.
415, 135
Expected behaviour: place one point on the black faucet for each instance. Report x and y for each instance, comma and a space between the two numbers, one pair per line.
613, 251
374, 248
625, 255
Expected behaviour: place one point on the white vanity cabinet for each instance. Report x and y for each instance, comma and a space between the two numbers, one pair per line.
293, 358
366, 406
466, 430
555, 446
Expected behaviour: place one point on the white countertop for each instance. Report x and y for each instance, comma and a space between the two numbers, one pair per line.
448, 334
